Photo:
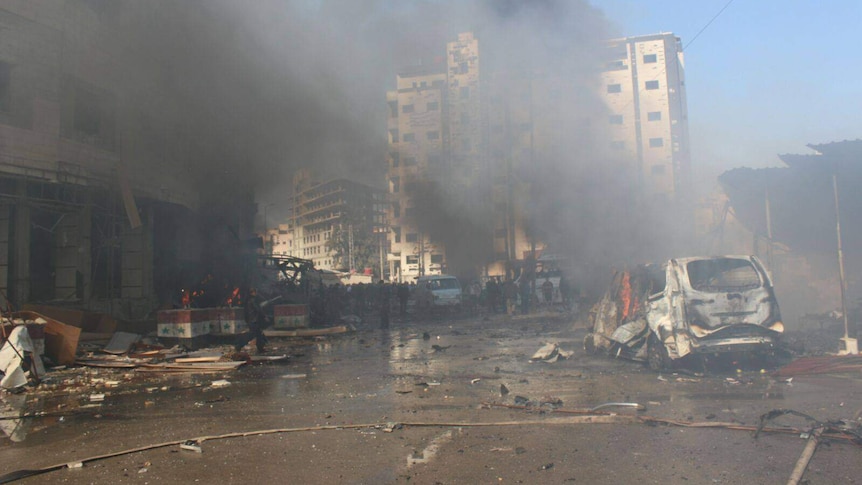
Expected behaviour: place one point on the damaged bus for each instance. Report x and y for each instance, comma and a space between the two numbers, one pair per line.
700, 306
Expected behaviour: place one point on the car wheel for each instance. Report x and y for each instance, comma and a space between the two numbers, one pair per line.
657, 356
590, 343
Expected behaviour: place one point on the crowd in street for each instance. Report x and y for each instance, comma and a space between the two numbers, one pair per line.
497, 295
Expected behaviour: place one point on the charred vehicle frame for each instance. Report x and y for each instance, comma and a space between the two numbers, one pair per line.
699, 306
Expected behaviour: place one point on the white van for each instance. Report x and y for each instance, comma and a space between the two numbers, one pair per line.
438, 290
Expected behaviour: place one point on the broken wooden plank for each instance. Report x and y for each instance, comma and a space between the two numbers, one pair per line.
194, 367
307, 332
61, 340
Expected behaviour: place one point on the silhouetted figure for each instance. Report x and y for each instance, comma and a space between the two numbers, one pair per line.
256, 321
403, 296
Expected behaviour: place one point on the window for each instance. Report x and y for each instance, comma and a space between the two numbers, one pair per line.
618, 145
396, 158
5, 85
396, 234
465, 92
393, 136
615, 88
393, 109
409, 161
501, 233
433, 135
433, 159
407, 108
396, 185
615, 119
616, 66
409, 137
657, 170
650, 59
412, 259
654, 116
650, 85
656, 142
462, 68
411, 237
432, 106
436, 259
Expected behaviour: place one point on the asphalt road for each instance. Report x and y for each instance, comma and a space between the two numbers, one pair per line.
443, 391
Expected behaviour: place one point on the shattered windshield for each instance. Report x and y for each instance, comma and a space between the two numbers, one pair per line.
722, 274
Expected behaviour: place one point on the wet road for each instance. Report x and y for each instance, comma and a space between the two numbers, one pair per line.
394, 375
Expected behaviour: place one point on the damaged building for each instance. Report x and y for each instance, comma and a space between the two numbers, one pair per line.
99, 204
790, 214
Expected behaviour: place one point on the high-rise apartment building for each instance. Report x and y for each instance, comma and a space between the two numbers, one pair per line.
480, 134
337, 208
644, 87
435, 143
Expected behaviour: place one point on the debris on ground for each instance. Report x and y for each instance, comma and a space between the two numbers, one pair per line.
19, 360
550, 352
831, 364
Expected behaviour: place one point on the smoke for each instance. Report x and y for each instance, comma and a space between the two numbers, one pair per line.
261, 89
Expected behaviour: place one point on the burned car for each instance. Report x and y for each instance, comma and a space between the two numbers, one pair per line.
700, 306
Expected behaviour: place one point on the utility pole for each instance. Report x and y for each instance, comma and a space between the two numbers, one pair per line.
850, 345
769, 260
350, 248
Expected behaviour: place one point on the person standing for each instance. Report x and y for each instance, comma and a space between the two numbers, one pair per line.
403, 296
510, 292
548, 291
383, 300
256, 321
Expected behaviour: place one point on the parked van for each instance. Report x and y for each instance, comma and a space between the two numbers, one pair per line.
438, 291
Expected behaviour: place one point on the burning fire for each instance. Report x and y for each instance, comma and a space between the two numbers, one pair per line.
234, 298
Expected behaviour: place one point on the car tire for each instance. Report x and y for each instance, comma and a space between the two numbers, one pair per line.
657, 356
590, 343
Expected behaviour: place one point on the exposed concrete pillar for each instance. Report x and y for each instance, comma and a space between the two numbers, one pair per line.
137, 259
19, 263
72, 255
5, 220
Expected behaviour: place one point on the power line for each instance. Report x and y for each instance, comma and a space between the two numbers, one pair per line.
707, 25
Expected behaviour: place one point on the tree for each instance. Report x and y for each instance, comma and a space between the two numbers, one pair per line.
364, 247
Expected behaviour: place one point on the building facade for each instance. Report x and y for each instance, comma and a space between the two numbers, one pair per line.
340, 209
477, 136
96, 204
644, 87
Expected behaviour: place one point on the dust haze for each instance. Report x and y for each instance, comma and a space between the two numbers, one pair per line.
288, 84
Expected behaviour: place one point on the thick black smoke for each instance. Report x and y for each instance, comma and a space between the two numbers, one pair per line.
263, 88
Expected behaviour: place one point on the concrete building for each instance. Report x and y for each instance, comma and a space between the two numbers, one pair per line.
644, 87
476, 136
338, 208
96, 206
437, 155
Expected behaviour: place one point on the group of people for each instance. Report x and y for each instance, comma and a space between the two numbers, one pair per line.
510, 295
328, 304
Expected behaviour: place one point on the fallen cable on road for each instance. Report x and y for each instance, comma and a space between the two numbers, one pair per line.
584, 416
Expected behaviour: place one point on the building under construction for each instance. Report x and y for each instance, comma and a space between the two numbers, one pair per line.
99, 207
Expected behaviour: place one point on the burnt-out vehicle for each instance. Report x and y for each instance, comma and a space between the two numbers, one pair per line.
687, 307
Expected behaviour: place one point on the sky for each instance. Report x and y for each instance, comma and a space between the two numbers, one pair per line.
766, 77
